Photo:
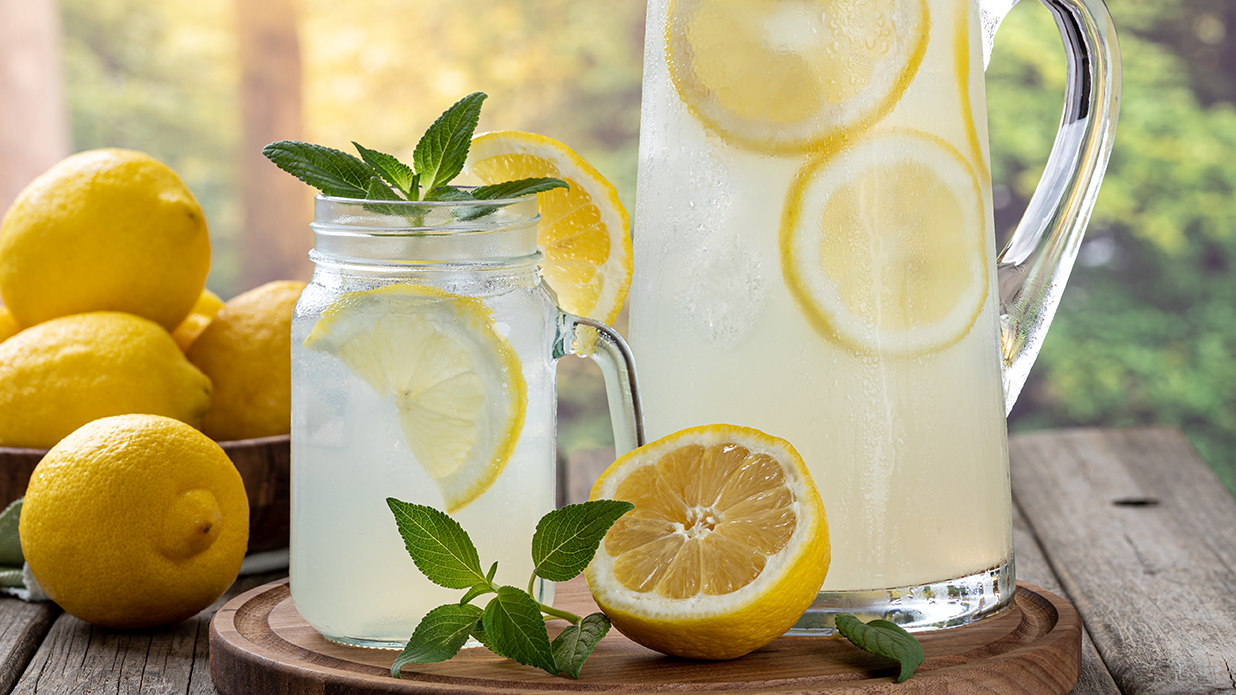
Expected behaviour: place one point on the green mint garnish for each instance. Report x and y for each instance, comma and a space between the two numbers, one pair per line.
439, 157
439, 636
883, 638
512, 624
574, 645
567, 538
439, 546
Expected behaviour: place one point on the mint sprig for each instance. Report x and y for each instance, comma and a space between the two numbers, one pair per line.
438, 158
883, 638
512, 624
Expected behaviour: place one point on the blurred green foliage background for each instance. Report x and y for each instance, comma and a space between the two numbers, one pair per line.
1147, 330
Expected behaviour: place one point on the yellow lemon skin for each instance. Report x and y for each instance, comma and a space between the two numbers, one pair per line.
715, 626
207, 306
135, 521
63, 373
8, 325
104, 230
247, 353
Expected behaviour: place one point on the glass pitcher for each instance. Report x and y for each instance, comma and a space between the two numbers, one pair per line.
423, 368
815, 257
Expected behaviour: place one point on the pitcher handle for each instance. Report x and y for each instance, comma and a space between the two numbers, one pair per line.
588, 338
1035, 265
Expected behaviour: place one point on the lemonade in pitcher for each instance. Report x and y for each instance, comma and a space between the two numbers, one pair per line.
815, 258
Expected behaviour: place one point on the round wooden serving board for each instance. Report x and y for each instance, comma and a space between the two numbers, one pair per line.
259, 644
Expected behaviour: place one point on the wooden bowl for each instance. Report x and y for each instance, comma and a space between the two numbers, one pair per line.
264, 465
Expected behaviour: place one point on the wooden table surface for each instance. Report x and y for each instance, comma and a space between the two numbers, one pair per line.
1129, 525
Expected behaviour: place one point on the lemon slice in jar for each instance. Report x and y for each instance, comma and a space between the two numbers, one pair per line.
457, 385
726, 547
783, 76
883, 246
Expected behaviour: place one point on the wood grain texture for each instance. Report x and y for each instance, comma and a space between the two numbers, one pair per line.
1142, 536
1032, 566
264, 465
22, 629
260, 644
76, 657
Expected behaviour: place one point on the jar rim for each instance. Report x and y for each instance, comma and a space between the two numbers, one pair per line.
431, 203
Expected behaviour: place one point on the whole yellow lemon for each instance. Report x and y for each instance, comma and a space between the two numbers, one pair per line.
104, 230
8, 324
134, 521
208, 304
247, 353
63, 373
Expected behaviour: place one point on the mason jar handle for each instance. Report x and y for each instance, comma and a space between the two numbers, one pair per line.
588, 338
1035, 265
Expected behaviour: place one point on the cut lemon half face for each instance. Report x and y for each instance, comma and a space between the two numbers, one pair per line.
884, 246
457, 385
584, 232
780, 76
725, 549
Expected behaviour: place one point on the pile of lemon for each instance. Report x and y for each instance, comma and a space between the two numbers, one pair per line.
114, 355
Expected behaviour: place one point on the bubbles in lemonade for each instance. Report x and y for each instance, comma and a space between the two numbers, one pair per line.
814, 257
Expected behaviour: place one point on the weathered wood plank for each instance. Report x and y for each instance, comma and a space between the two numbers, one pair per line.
22, 628
1032, 566
76, 657
1143, 540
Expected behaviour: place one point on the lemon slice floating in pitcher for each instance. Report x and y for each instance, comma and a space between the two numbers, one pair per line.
883, 246
782, 76
725, 549
584, 232
457, 385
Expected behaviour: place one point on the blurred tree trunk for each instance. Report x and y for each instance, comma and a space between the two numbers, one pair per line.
276, 236
34, 122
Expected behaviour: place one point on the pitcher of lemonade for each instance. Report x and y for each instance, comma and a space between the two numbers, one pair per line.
423, 368
815, 257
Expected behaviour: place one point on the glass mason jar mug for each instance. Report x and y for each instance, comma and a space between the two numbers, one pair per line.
815, 257
423, 356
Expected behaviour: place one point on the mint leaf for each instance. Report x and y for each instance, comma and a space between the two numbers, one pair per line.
515, 629
567, 538
476, 590
517, 188
328, 170
380, 191
395, 172
438, 545
439, 636
478, 634
448, 193
440, 154
574, 645
885, 639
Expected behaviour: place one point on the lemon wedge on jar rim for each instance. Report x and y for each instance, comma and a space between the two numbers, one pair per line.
584, 232
783, 77
725, 549
883, 245
457, 385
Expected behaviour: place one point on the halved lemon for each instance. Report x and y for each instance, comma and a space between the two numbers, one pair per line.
457, 385
884, 245
584, 232
725, 549
783, 76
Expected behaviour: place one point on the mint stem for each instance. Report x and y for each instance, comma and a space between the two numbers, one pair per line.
550, 610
